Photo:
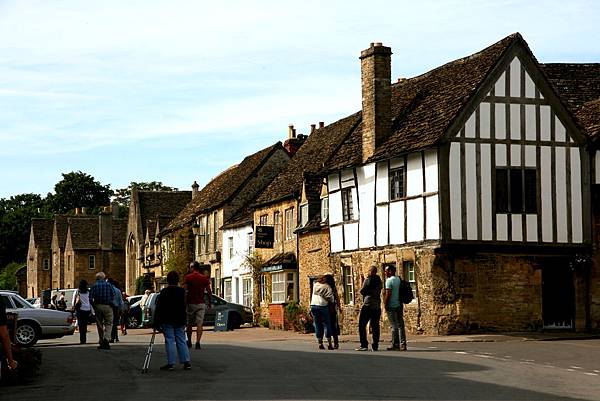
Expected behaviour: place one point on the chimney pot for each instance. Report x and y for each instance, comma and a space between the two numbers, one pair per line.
195, 187
321, 124
313, 127
291, 131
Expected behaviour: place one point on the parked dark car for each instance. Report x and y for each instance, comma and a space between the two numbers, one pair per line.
134, 316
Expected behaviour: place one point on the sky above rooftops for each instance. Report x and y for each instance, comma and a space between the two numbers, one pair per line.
179, 91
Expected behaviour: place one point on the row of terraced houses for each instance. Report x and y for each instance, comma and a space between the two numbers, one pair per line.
479, 180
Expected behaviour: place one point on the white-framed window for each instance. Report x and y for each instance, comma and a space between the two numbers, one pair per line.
215, 231
230, 243
283, 287
227, 289
277, 226
46, 264
348, 285
303, 215
347, 204
247, 291
250, 243
263, 220
207, 235
324, 209
289, 223
408, 268
202, 235
92, 262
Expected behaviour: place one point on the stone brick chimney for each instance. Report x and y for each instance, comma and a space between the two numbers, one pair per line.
293, 143
375, 66
105, 226
195, 187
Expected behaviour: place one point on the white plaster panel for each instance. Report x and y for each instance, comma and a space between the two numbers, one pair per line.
470, 126
560, 134
531, 221
530, 156
337, 238
530, 132
545, 123
515, 121
529, 86
515, 78
484, 120
500, 150
414, 220
347, 176
499, 87
546, 192
432, 226
382, 225
502, 227
397, 222
431, 171
516, 227
383, 186
560, 195
576, 197
597, 162
355, 204
350, 236
333, 182
486, 192
515, 155
335, 208
396, 163
414, 174
471, 190
366, 187
500, 121
455, 192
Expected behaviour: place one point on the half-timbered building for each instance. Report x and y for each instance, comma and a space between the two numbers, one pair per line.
474, 179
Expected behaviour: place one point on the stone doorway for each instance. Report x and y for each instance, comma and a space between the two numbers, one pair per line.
558, 294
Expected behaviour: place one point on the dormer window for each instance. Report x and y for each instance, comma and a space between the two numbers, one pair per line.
303, 215
324, 209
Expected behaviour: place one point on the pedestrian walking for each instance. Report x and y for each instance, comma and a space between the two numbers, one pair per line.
102, 297
117, 309
170, 316
196, 285
322, 295
143, 305
370, 312
124, 312
83, 309
61, 304
333, 311
394, 309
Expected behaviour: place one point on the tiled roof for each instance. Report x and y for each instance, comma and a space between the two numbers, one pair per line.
311, 157
85, 232
424, 107
42, 232
163, 205
578, 86
223, 187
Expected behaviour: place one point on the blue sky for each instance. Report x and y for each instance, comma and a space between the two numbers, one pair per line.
177, 91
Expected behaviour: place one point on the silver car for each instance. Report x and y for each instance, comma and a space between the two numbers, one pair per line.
33, 323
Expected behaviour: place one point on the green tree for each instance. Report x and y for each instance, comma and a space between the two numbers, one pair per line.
8, 281
16, 213
78, 189
122, 196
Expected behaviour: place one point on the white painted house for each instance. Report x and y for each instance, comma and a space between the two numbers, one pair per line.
475, 179
238, 244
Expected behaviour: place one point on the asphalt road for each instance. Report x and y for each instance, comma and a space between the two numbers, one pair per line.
256, 363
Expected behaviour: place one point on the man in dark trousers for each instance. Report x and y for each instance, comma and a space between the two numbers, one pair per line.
196, 284
371, 310
102, 297
394, 309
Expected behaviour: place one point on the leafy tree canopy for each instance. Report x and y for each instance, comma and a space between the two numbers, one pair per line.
123, 196
8, 281
78, 189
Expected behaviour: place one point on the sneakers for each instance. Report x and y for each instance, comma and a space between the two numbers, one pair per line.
187, 366
321, 346
189, 343
168, 367
361, 349
104, 345
198, 346
330, 347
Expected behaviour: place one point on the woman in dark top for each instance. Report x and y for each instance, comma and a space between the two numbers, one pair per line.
333, 308
83, 309
170, 317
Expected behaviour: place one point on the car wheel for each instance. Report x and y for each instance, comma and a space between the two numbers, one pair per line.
132, 322
27, 333
234, 321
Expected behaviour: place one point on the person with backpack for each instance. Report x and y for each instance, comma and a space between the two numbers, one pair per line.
394, 309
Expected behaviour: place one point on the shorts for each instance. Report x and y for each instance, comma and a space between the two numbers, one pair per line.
195, 314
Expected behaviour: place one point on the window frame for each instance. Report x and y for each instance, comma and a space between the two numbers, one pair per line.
250, 239
303, 214
228, 289
263, 220
409, 274
247, 291
517, 190
348, 283
391, 180
347, 204
324, 209
281, 295
46, 264
216, 231
230, 247
289, 224
277, 237
91, 262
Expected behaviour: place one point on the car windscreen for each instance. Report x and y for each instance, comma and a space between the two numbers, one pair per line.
20, 303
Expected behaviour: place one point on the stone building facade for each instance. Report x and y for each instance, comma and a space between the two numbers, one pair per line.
39, 257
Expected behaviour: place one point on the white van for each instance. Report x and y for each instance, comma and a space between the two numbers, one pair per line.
68, 296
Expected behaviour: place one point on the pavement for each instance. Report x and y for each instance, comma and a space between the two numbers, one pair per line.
261, 334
